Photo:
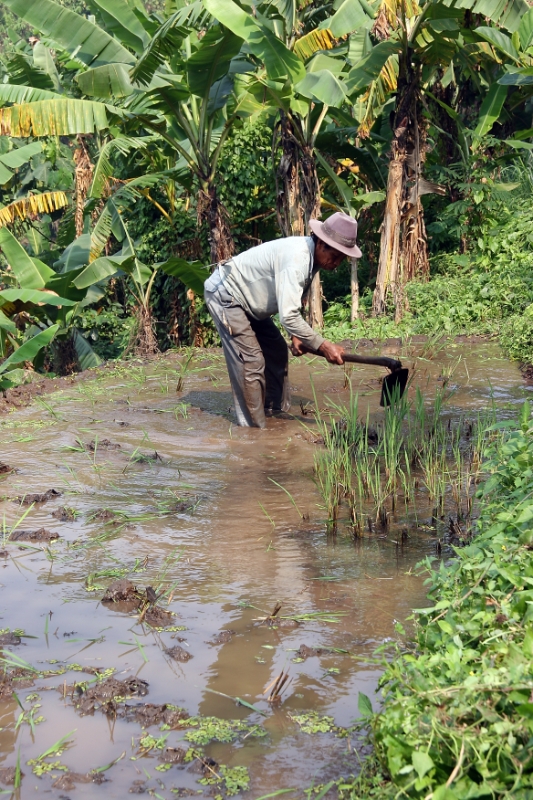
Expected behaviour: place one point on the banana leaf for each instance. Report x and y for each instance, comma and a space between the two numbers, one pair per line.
500, 41
192, 274
119, 19
109, 80
34, 296
322, 87
279, 61
30, 272
100, 269
28, 350
211, 60
16, 158
87, 358
369, 68
7, 324
350, 16
490, 110
75, 33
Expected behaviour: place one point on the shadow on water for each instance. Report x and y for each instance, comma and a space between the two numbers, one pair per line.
215, 526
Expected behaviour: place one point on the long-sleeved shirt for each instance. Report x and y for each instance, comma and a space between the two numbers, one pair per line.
272, 278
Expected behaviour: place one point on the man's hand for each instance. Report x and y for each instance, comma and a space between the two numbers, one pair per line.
332, 352
298, 348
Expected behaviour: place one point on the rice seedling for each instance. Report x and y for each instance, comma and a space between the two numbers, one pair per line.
289, 495
137, 646
184, 369
415, 452
329, 477
42, 402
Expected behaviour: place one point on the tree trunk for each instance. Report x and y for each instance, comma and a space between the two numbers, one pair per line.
298, 196
143, 341
403, 248
213, 212
355, 290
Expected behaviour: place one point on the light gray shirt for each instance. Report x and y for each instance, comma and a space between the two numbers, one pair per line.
272, 278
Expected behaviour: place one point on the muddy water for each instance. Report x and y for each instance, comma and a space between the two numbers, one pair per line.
208, 516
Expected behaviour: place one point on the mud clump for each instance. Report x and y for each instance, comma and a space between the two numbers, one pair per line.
205, 766
68, 781
100, 444
104, 515
527, 373
5, 469
138, 786
283, 622
181, 507
158, 618
16, 679
308, 652
9, 639
120, 591
64, 514
223, 637
173, 755
108, 695
147, 458
38, 497
150, 714
7, 775
40, 535
123, 596
178, 653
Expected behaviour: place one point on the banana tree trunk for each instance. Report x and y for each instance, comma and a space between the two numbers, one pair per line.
403, 249
387, 277
210, 210
298, 196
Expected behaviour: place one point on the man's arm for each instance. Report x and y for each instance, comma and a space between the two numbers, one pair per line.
331, 352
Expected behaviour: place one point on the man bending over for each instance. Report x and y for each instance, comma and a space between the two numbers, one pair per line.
244, 293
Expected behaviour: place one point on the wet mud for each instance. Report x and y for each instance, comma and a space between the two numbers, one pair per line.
155, 550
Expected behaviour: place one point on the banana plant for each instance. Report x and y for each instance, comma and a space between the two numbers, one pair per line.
303, 88
40, 299
428, 42
140, 278
139, 73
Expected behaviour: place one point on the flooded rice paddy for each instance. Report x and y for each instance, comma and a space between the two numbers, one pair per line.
159, 562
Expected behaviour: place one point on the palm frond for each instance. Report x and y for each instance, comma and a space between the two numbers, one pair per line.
312, 42
44, 203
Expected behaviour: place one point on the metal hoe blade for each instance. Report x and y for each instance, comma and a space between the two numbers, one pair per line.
393, 386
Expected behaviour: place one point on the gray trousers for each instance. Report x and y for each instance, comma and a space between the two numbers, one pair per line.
257, 357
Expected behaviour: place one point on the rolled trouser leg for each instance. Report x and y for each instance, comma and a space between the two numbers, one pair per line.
276, 355
244, 359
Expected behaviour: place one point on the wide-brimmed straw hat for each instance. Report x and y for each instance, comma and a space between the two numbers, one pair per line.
339, 231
